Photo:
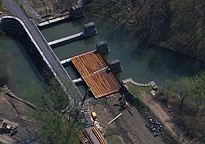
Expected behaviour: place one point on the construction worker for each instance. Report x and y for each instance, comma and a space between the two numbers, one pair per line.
122, 97
108, 70
124, 104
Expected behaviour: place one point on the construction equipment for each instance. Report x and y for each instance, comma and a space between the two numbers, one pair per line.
8, 127
94, 115
122, 102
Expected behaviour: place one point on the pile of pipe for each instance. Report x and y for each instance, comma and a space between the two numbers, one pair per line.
154, 126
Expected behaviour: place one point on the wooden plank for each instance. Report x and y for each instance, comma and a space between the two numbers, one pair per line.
92, 68
89, 62
98, 135
81, 138
102, 84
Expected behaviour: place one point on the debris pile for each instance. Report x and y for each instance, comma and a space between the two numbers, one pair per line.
93, 133
154, 126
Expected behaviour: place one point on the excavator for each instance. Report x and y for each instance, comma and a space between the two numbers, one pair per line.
8, 128
122, 102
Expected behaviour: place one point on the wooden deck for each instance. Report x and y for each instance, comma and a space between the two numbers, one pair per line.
92, 68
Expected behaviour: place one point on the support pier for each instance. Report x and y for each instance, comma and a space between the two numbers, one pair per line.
66, 61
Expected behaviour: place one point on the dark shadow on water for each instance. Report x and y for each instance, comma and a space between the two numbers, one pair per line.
89, 40
72, 71
23, 53
77, 22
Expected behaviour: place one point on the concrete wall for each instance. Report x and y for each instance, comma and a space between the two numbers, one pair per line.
12, 25
89, 28
115, 65
102, 47
77, 11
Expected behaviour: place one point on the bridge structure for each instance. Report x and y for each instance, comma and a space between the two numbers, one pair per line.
42, 46
95, 72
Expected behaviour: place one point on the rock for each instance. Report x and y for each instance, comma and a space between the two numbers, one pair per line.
155, 134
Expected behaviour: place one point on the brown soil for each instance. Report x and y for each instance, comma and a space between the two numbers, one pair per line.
13, 110
129, 128
163, 116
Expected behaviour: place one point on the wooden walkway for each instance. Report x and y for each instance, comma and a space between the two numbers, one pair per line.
93, 68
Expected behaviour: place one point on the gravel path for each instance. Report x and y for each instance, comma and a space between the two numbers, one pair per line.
163, 117
13, 111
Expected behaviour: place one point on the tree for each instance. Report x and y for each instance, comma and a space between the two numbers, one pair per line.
183, 88
50, 96
198, 91
186, 30
55, 128
54, 125
192, 117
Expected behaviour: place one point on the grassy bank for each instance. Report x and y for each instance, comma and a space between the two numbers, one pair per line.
188, 118
185, 99
135, 100
185, 102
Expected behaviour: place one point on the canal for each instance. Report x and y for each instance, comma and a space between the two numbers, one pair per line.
23, 70
141, 63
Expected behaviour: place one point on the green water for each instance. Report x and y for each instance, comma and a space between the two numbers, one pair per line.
56, 31
72, 72
23, 71
141, 63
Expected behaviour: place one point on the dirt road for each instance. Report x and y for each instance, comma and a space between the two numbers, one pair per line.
13, 110
163, 117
